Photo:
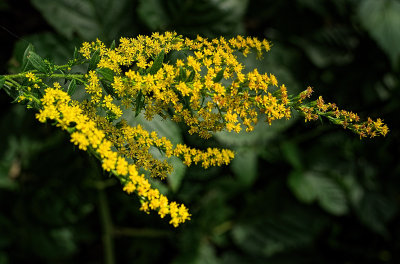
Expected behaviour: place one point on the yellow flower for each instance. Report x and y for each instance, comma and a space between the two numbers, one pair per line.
31, 77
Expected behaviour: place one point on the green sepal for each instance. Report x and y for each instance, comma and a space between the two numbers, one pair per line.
2, 81
219, 76
157, 64
25, 57
94, 60
71, 87
108, 74
38, 62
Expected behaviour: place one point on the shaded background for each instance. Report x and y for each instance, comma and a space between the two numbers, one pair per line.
296, 193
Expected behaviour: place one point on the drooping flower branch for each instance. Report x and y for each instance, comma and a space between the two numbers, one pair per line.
199, 82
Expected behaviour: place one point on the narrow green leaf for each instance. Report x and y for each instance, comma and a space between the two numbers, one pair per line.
108, 74
71, 87
94, 60
139, 103
112, 45
76, 53
182, 74
219, 76
109, 89
38, 62
25, 57
2, 81
157, 64
191, 76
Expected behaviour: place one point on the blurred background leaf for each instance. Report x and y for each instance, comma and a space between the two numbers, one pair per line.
381, 19
296, 193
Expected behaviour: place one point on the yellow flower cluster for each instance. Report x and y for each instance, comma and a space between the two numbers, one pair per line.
199, 82
93, 87
156, 201
58, 106
347, 119
192, 87
31, 77
135, 143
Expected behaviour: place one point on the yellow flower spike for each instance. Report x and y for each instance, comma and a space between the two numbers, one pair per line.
80, 139
85, 50
208, 91
129, 188
122, 166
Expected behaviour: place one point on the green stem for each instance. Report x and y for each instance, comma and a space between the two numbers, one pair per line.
107, 226
68, 76
105, 218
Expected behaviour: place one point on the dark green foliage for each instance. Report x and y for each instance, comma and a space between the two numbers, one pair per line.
37, 62
25, 57
158, 61
71, 87
2, 81
296, 193
94, 60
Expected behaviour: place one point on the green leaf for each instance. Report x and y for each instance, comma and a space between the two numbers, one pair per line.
331, 197
153, 14
108, 88
260, 136
112, 46
71, 87
163, 128
94, 60
89, 19
37, 62
245, 164
48, 45
108, 74
292, 154
382, 20
2, 81
177, 175
302, 187
219, 75
76, 54
182, 74
139, 103
157, 64
375, 210
191, 76
194, 17
277, 233
25, 57
310, 186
